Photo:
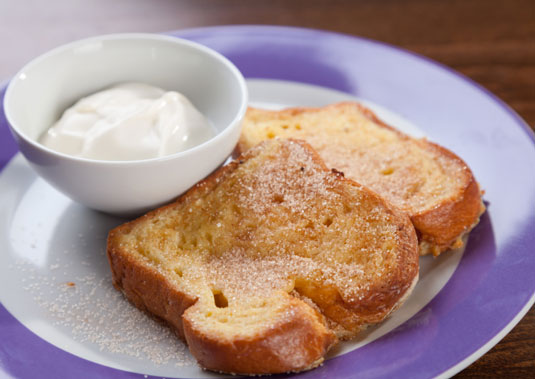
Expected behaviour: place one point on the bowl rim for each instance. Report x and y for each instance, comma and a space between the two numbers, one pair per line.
128, 36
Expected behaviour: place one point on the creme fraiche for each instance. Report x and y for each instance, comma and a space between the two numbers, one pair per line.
130, 121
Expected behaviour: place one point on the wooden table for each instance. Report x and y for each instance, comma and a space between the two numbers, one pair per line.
490, 41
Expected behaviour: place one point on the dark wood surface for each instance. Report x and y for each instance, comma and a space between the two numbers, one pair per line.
492, 42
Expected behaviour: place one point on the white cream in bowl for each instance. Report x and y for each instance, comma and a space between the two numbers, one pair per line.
129, 121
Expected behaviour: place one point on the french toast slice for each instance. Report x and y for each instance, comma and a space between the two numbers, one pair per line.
265, 264
427, 181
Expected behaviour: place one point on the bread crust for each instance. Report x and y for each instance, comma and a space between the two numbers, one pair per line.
443, 226
297, 342
440, 227
148, 289
302, 333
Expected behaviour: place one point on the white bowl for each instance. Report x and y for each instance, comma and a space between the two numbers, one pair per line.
45, 87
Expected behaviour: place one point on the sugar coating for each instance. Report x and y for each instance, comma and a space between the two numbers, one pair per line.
92, 312
279, 221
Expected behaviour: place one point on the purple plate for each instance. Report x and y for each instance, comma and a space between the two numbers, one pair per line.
494, 284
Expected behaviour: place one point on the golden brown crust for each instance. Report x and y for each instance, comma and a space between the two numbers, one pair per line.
295, 343
145, 287
298, 338
440, 226
444, 225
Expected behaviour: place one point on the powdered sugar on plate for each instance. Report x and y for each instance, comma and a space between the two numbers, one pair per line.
96, 313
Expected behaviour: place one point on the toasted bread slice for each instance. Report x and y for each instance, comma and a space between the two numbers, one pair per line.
433, 185
263, 265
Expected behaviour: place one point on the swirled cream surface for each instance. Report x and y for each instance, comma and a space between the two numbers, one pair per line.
130, 121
